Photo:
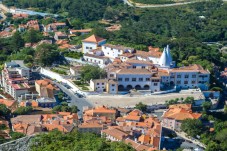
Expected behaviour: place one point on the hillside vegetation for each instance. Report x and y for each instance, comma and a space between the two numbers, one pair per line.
75, 141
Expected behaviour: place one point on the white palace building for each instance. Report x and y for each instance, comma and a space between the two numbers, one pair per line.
128, 69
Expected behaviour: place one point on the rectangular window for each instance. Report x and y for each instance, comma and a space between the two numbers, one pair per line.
119, 79
87, 47
193, 82
113, 85
90, 47
155, 84
185, 82
178, 76
134, 67
126, 79
143, 67
112, 89
140, 79
133, 79
193, 76
97, 83
147, 79
178, 82
111, 75
186, 76
102, 83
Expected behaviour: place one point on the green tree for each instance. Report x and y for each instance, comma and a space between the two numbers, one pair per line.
189, 100
74, 109
213, 146
141, 106
192, 127
89, 72
225, 109
63, 107
222, 135
3, 127
16, 135
32, 36
56, 140
23, 110
206, 106
46, 54
4, 110
17, 41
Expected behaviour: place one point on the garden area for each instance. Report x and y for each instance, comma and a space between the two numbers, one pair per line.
59, 71
72, 54
82, 85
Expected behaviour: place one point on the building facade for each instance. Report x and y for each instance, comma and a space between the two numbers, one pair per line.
92, 42
15, 79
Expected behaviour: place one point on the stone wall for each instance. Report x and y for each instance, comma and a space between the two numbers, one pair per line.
21, 144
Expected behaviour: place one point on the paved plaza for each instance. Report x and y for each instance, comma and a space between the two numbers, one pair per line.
127, 101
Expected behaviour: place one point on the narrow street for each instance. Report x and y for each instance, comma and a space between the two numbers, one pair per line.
79, 102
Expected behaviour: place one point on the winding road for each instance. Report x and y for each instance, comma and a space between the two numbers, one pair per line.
130, 3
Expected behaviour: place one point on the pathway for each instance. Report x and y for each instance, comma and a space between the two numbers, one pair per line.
139, 5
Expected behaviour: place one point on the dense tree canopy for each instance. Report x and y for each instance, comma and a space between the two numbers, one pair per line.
46, 54
192, 127
4, 110
82, 9
141, 106
55, 141
92, 72
63, 107
23, 110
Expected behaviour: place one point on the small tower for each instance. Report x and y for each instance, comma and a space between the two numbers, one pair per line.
168, 54
164, 60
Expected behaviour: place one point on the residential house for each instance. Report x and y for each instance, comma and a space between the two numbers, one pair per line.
75, 71
173, 117
137, 146
32, 124
100, 111
46, 88
91, 43
114, 27
10, 104
60, 35
4, 133
114, 134
81, 31
20, 16
53, 27
33, 24
5, 34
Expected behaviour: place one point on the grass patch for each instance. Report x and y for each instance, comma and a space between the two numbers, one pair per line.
59, 71
85, 88
82, 85
72, 54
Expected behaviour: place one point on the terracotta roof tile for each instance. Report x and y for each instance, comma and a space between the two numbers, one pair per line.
94, 39
116, 133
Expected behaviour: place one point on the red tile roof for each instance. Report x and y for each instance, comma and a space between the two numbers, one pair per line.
93, 39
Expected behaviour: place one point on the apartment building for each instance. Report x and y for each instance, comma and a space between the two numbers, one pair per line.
15, 78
